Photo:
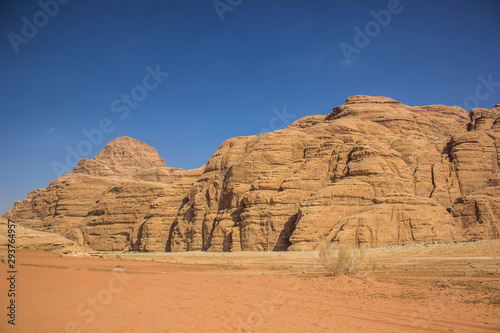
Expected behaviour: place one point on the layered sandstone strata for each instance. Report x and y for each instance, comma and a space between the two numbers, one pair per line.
373, 172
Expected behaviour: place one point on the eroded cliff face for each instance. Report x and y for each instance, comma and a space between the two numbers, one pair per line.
102, 202
373, 172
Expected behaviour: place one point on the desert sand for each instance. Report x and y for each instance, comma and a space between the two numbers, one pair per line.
420, 288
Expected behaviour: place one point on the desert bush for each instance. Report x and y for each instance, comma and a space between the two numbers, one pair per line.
345, 260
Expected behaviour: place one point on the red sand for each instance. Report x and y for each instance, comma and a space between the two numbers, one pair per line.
241, 294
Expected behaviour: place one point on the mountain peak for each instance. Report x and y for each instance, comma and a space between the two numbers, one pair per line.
128, 151
124, 156
363, 99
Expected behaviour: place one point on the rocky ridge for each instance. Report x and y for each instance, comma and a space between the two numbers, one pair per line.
373, 172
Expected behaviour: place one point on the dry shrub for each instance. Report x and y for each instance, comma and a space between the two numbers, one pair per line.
345, 260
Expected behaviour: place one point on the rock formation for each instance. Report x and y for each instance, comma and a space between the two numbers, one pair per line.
30, 239
373, 172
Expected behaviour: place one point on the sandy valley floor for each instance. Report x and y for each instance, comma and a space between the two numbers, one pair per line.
433, 288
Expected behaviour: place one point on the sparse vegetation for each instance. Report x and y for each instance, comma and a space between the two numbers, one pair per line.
495, 300
345, 261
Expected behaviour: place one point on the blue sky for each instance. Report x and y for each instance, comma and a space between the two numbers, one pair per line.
230, 77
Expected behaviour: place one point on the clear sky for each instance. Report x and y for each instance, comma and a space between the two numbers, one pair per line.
235, 67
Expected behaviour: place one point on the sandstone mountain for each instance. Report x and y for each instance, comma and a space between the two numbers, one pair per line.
30, 239
373, 172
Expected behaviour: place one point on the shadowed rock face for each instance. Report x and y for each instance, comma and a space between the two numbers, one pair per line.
373, 172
